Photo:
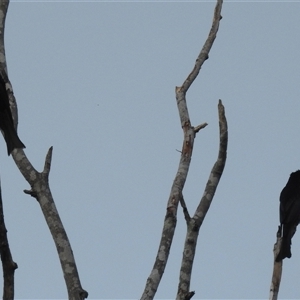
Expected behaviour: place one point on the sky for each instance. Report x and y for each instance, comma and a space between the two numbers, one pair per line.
96, 80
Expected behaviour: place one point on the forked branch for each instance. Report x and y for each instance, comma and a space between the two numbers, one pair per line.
189, 133
40, 189
200, 213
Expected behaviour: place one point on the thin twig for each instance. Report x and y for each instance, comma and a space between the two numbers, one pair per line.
199, 127
48, 160
185, 210
189, 295
204, 53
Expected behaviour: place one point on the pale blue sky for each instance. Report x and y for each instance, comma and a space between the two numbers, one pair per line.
96, 81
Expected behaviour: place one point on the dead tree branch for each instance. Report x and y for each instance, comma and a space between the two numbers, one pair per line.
277, 268
41, 191
199, 127
171, 214
8, 265
204, 53
197, 220
189, 295
185, 210
184, 164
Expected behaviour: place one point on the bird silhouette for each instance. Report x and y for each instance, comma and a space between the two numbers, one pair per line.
289, 214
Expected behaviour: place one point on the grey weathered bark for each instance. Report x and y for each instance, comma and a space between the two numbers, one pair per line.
41, 191
194, 223
277, 268
8, 265
188, 141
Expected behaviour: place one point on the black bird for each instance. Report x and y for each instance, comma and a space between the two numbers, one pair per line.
289, 214
6, 121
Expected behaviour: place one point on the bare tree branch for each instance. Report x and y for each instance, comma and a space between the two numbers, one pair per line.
171, 215
8, 265
277, 268
189, 295
3, 8
197, 220
47, 165
199, 127
217, 169
41, 191
203, 56
180, 178
185, 210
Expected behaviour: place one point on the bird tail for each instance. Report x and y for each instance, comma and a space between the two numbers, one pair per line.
12, 140
285, 249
